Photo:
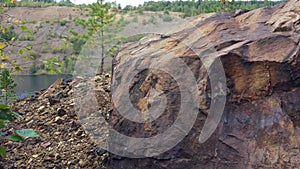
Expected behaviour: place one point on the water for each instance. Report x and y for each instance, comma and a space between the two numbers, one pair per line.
28, 84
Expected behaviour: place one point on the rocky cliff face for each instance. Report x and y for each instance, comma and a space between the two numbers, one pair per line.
259, 128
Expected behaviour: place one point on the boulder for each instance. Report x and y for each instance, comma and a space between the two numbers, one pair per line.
259, 125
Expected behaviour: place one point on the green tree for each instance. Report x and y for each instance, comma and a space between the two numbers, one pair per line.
100, 17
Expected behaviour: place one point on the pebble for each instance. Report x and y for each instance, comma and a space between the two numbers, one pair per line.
58, 120
100, 152
41, 108
35, 156
45, 145
61, 112
57, 133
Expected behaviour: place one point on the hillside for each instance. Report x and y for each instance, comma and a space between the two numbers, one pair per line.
50, 36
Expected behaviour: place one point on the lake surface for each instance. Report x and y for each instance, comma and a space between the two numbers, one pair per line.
28, 84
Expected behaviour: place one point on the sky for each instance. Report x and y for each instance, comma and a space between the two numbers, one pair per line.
122, 2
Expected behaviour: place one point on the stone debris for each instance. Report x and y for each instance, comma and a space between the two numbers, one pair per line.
63, 142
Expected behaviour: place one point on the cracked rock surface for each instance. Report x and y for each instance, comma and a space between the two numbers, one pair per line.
260, 126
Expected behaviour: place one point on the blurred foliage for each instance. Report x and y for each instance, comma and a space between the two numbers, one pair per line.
7, 84
196, 7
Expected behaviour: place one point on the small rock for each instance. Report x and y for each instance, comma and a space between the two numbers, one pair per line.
57, 156
100, 152
41, 108
57, 133
61, 112
48, 159
34, 156
58, 120
70, 140
30, 123
79, 133
57, 161
29, 161
15, 165
71, 167
53, 101
45, 145
105, 160
82, 163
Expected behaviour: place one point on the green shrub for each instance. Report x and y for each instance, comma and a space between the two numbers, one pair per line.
8, 34
69, 63
44, 49
41, 25
135, 19
166, 12
78, 42
167, 18
7, 86
63, 48
144, 22
27, 37
141, 11
54, 65
153, 19
53, 35
33, 69
53, 49
62, 22
33, 55
31, 21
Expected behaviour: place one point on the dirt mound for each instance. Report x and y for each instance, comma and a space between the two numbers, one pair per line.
63, 143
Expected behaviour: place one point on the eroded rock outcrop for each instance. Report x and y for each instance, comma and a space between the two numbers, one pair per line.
259, 128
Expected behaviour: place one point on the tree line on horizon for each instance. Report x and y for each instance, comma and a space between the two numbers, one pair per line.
188, 8
196, 7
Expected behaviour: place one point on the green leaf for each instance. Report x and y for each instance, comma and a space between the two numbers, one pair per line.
4, 107
2, 124
2, 134
16, 114
2, 151
27, 133
14, 138
5, 116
